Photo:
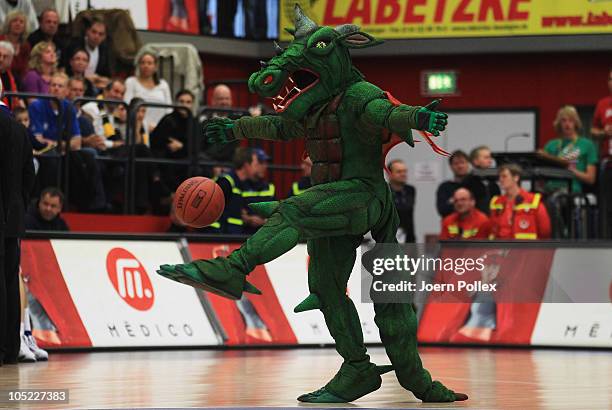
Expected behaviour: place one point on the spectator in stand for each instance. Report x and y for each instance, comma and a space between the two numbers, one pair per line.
404, 196
467, 222
147, 85
78, 59
221, 97
481, 188
23, 7
99, 64
45, 214
47, 30
517, 214
8, 80
76, 89
44, 127
234, 184
15, 31
169, 138
259, 189
43, 64
579, 151
602, 121
460, 165
102, 116
43, 114
38, 148
304, 182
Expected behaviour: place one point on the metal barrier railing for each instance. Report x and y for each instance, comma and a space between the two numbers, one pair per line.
193, 161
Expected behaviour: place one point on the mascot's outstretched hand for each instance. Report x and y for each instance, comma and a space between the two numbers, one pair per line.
219, 131
430, 120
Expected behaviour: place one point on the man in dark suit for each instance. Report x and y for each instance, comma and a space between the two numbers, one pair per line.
404, 197
16, 180
99, 69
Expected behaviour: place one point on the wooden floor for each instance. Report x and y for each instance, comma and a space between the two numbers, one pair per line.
493, 378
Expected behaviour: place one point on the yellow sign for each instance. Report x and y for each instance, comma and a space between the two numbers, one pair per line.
392, 19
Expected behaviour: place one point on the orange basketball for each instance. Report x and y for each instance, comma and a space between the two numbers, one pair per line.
198, 202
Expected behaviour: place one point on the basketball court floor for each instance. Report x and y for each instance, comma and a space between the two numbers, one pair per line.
493, 378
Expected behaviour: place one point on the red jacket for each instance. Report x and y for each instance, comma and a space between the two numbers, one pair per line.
524, 218
475, 225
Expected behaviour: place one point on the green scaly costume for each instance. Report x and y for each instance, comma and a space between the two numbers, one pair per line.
321, 96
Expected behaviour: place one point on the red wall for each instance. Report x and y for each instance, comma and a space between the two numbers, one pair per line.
540, 81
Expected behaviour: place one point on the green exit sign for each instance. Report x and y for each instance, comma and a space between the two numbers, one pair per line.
439, 83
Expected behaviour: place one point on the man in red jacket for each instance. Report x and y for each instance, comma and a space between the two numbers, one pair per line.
517, 214
467, 222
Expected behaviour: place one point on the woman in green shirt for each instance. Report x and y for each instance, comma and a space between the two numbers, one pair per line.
580, 152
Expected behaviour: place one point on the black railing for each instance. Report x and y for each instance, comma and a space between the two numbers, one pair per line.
193, 161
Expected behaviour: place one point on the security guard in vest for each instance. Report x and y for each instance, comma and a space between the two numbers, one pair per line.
467, 222
304, 182
517, 214
259, 190
235, 184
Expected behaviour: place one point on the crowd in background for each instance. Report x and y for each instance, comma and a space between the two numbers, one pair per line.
36, 58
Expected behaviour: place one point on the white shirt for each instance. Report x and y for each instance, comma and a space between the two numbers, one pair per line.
94, 57
158, 94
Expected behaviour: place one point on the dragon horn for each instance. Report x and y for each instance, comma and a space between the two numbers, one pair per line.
303, 24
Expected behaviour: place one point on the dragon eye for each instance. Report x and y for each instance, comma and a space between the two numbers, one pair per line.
321, 44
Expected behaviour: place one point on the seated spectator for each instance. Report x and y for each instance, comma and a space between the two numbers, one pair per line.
47, 30
43, 63
170, 138
77, 64
467, 222
404, 197
23, 7
482, 189
147, 85
15, 31
304, 182
259, 189
460, 165
45, 214
602, 121
76, 89
23, 117
221, 98
101, 113
234, 184
99, 65
44, 113
580, 152
517, 214
6, 76
86, 178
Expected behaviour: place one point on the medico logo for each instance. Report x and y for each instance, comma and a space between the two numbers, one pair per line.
129, 279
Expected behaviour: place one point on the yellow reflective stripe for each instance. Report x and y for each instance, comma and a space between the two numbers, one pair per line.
295, 187
520, 235
231, 180
237, 191
268, 192
453, 229
235, 221
494, 205
533, 205
468, 233
215, 225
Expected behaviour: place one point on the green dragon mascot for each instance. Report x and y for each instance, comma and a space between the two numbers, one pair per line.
320, 96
